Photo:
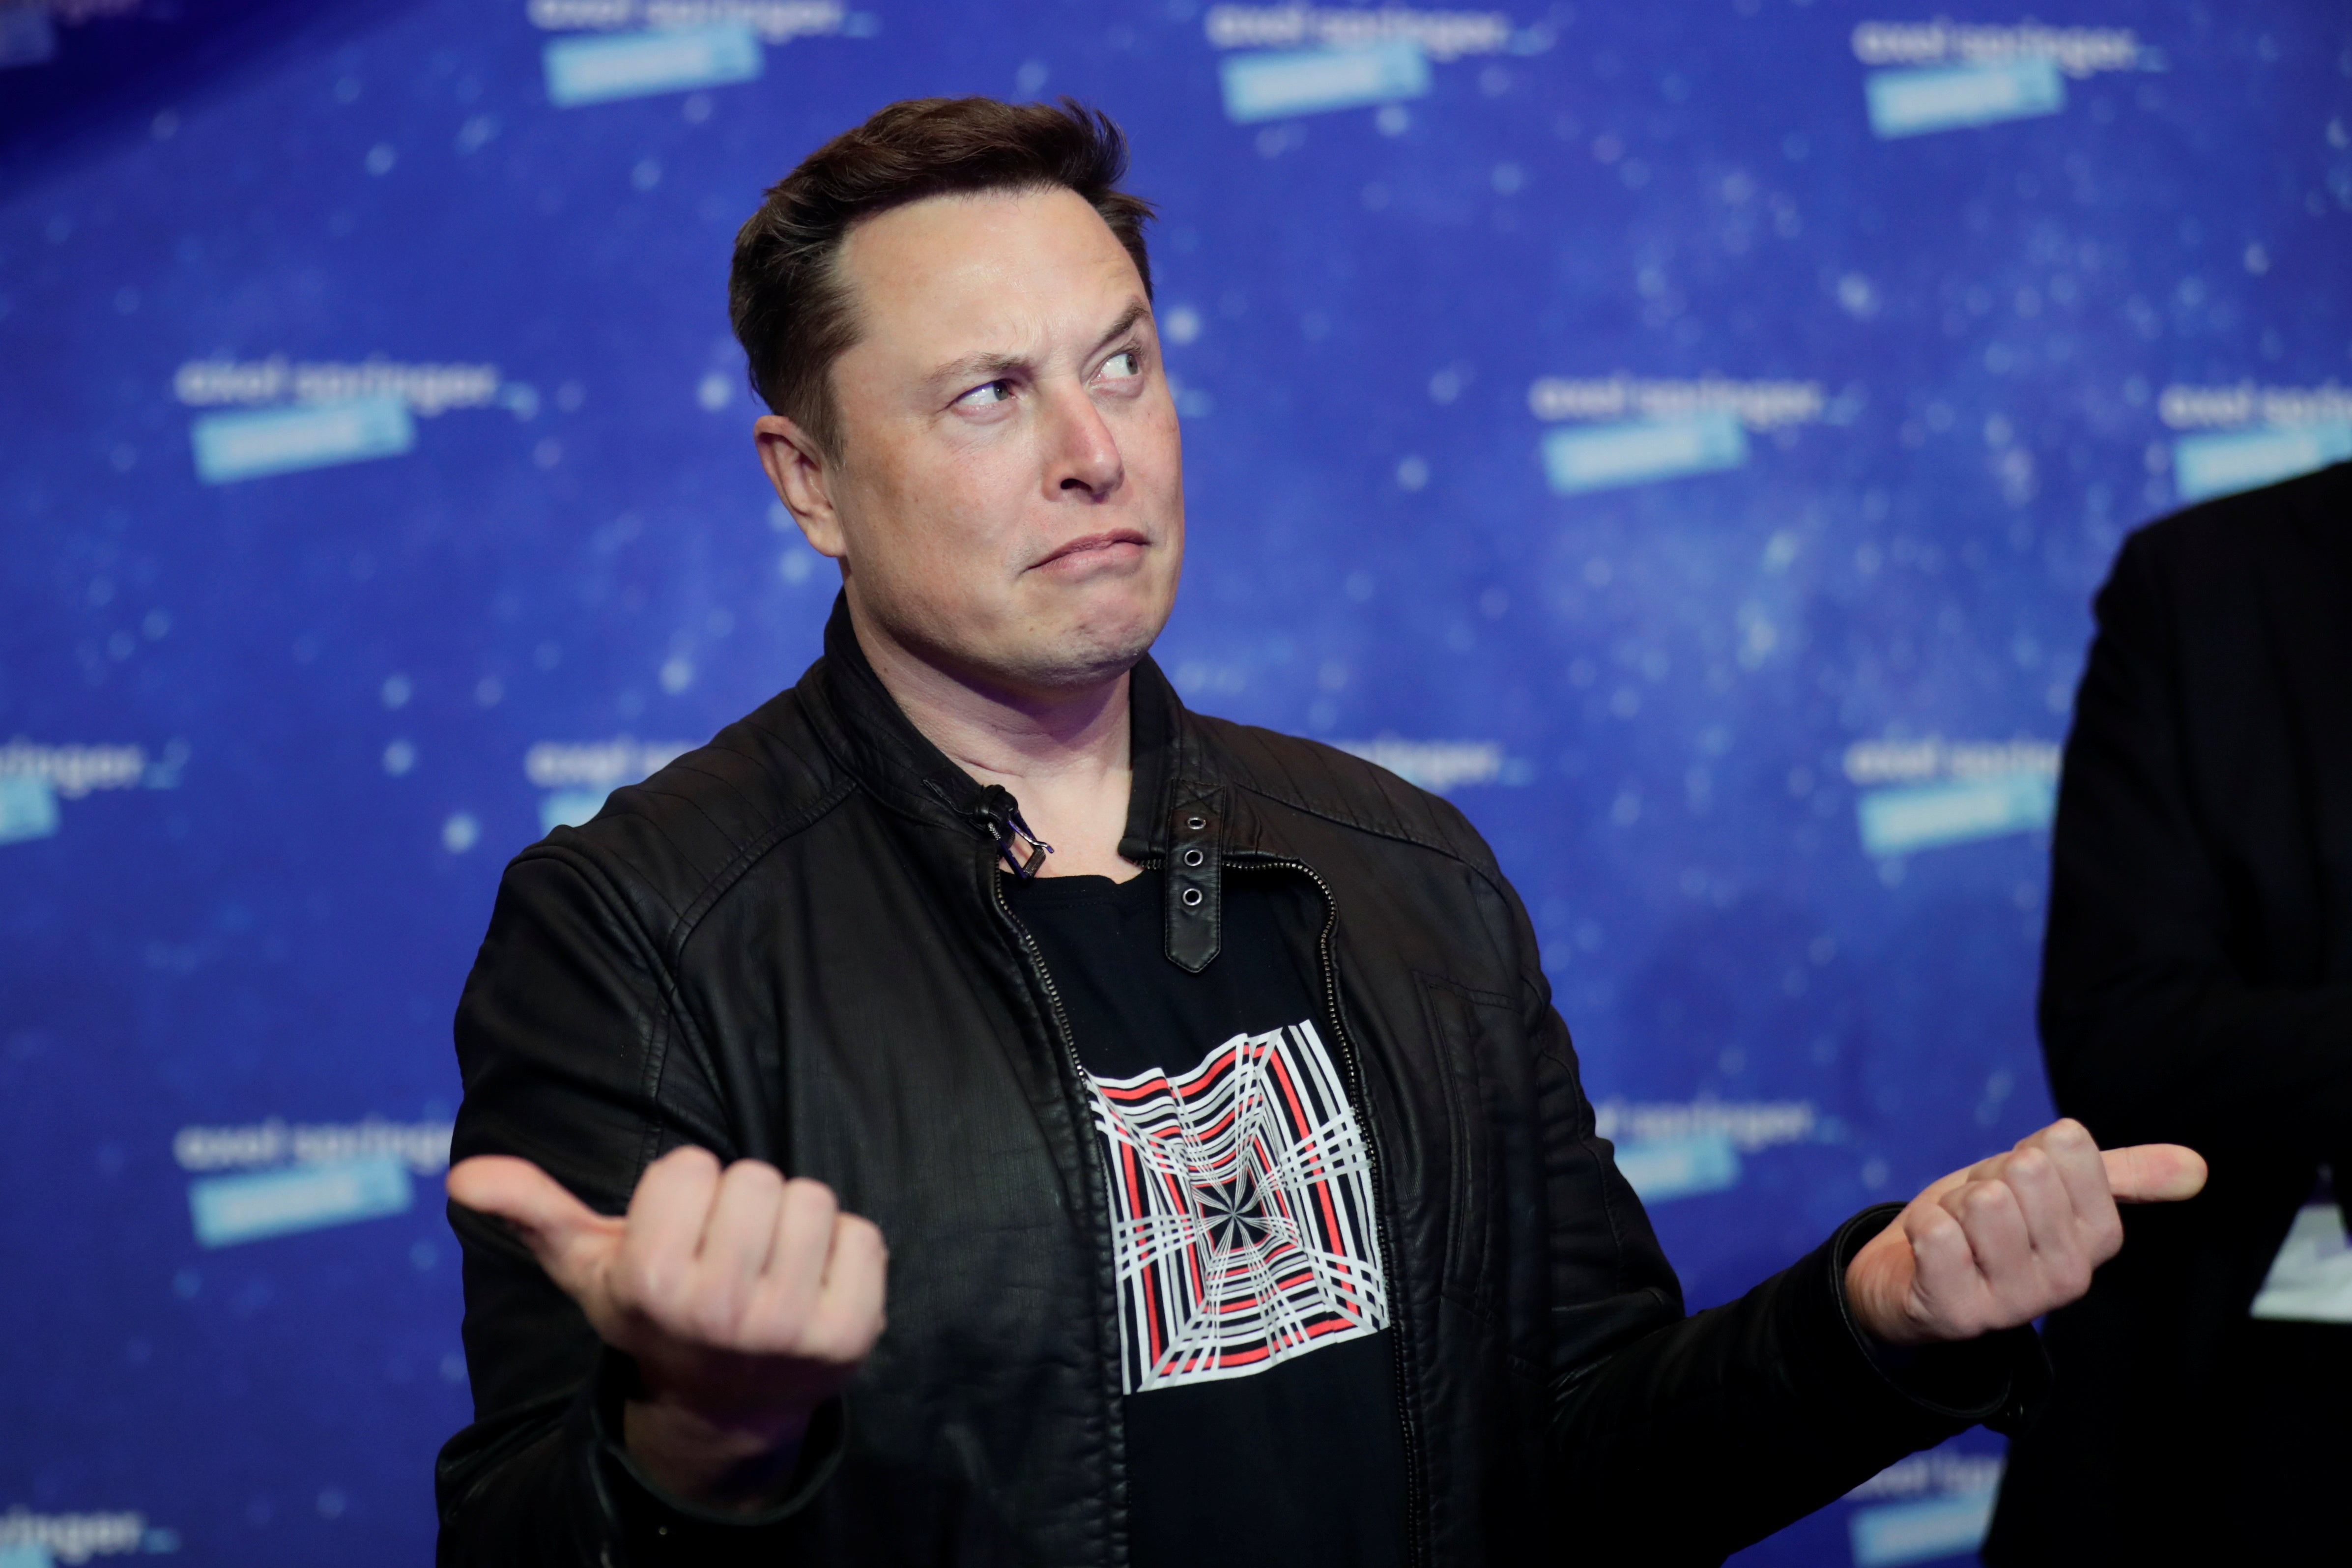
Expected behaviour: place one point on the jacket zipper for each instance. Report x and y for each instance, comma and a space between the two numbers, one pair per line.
1045, 978
1414, 1523
1089, 1137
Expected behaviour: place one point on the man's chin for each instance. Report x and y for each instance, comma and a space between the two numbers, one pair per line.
1080, 659
1070, 653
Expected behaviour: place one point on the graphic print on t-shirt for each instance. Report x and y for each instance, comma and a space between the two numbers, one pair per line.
1242, 1209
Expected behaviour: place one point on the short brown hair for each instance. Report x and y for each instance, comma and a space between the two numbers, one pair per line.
791, 308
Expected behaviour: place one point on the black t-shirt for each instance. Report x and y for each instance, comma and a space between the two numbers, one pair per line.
1262, 1419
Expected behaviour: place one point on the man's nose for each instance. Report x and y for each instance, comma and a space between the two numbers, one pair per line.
1082, 453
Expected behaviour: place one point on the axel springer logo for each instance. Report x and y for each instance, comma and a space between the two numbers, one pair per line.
1916, 761
1922, 794
33, 778
1634, 432
2077, 51
578, 775
1676, 1148
317, 414
1942, 1503
305, 1176
1958, 74
635, 49
429, 389
1440, 35
2228, 407
1747, 1125
775, 21
1759, 406
423, 1146
1440, 765
2249, 436
29, 1539
1310, 60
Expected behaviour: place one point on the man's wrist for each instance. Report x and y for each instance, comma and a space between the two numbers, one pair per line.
664, 1522
2000, 1378
732, 1465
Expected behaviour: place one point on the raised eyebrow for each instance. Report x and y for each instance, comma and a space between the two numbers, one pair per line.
1136, 311
977, 368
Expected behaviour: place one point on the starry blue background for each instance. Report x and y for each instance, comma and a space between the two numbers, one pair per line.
1357, 302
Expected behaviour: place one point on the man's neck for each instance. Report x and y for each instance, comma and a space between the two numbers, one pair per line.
1065, 755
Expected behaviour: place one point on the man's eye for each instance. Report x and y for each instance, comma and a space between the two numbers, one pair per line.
981, 396
1125, 363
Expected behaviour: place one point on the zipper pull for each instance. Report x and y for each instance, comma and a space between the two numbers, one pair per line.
1000, 814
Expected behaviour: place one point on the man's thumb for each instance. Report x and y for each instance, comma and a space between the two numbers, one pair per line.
2154, 1173
570, 1240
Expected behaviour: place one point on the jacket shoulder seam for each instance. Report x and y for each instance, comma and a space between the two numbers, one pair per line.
1395, 832
619, 878
743, 860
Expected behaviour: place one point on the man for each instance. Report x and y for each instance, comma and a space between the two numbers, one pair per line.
1241, 1199
2197, 984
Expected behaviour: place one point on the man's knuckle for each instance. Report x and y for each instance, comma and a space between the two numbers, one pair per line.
828, 1344
809, 1202
1982, 1199
755, 1176
640, 1282
717, 1320
786, 1332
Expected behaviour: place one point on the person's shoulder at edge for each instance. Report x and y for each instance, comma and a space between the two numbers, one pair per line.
1338, 786
2216, 533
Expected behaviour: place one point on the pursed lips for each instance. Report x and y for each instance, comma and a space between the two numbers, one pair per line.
1106, 546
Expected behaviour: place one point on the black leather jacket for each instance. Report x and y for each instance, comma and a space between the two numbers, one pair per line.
790, 945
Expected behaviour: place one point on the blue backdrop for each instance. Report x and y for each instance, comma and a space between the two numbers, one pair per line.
1687, 435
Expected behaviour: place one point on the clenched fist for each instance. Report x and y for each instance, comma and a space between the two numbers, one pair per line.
2010, 1238
746, 1301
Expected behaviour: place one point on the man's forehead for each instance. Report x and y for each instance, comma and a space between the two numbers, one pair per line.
975, 266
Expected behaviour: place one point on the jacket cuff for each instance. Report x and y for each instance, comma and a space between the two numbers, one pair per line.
2001, 1380
658, 1525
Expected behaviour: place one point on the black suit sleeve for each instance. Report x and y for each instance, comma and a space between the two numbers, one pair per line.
2151, 1030
574, 1057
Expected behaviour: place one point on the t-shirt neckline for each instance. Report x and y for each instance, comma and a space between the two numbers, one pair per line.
1062, 890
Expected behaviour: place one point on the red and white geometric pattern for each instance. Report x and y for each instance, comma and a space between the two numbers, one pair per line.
1242, 1211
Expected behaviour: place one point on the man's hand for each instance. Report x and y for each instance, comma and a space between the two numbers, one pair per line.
746, 1299
2010, 1238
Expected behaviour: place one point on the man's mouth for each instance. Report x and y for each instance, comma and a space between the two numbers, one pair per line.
1110, 544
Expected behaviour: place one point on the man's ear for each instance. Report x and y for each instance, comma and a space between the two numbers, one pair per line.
803, 477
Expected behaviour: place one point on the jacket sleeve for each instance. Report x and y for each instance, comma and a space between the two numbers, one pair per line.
574, 1056
1709, 1434
2151, 1032
1680, 1439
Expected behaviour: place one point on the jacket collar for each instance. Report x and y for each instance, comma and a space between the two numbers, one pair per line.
1176, 808
867, 732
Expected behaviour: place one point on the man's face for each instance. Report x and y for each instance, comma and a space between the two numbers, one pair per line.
1009, 498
